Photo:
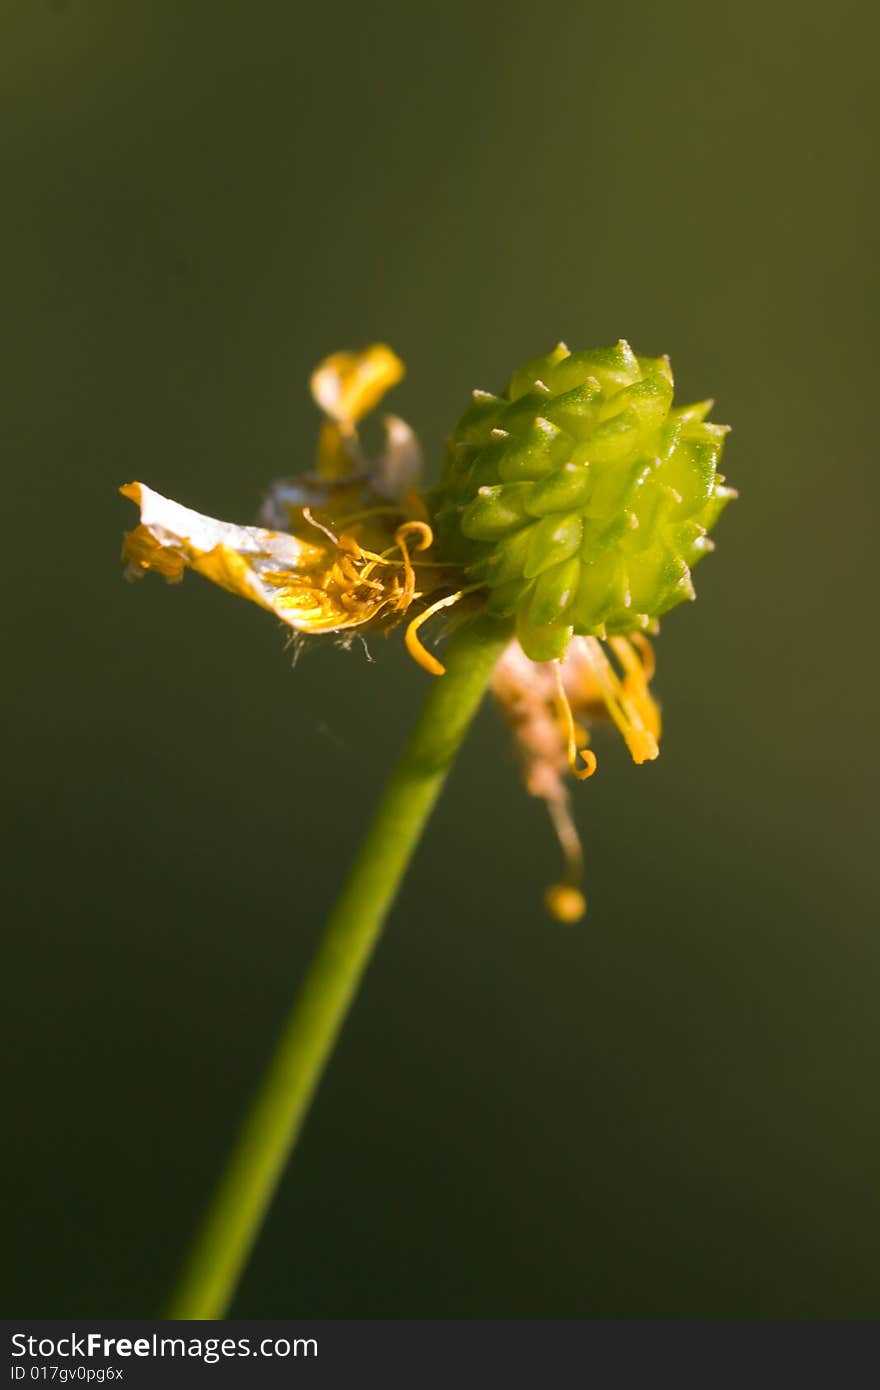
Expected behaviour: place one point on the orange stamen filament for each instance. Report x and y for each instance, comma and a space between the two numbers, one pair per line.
413, 642
581, 772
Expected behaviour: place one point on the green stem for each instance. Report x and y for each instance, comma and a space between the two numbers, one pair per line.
272, 1126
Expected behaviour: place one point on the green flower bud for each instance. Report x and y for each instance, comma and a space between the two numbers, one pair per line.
581, 497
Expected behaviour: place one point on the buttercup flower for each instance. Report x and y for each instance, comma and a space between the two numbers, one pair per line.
574, 504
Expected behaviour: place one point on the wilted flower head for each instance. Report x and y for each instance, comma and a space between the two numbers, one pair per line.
576, 502
335, 553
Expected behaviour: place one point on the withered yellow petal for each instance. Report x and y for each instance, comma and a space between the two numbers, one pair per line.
297, 581
347, 385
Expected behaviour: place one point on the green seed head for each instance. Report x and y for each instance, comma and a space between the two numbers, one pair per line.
581, 497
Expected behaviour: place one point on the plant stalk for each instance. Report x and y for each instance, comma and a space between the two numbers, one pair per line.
271, 1128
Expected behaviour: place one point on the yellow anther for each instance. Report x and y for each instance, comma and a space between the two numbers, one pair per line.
421, 529
565, 903
643, 746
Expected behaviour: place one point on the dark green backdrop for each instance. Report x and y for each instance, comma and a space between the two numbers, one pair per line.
669, 1112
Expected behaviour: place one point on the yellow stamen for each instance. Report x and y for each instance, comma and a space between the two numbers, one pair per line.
413, 642
424, 538
646, 652
319, 525
416, 528
637, 671
631, 713
571, 732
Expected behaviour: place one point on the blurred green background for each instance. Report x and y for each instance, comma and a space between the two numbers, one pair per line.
668, 1112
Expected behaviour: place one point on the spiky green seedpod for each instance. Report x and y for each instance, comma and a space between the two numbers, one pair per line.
580, 497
